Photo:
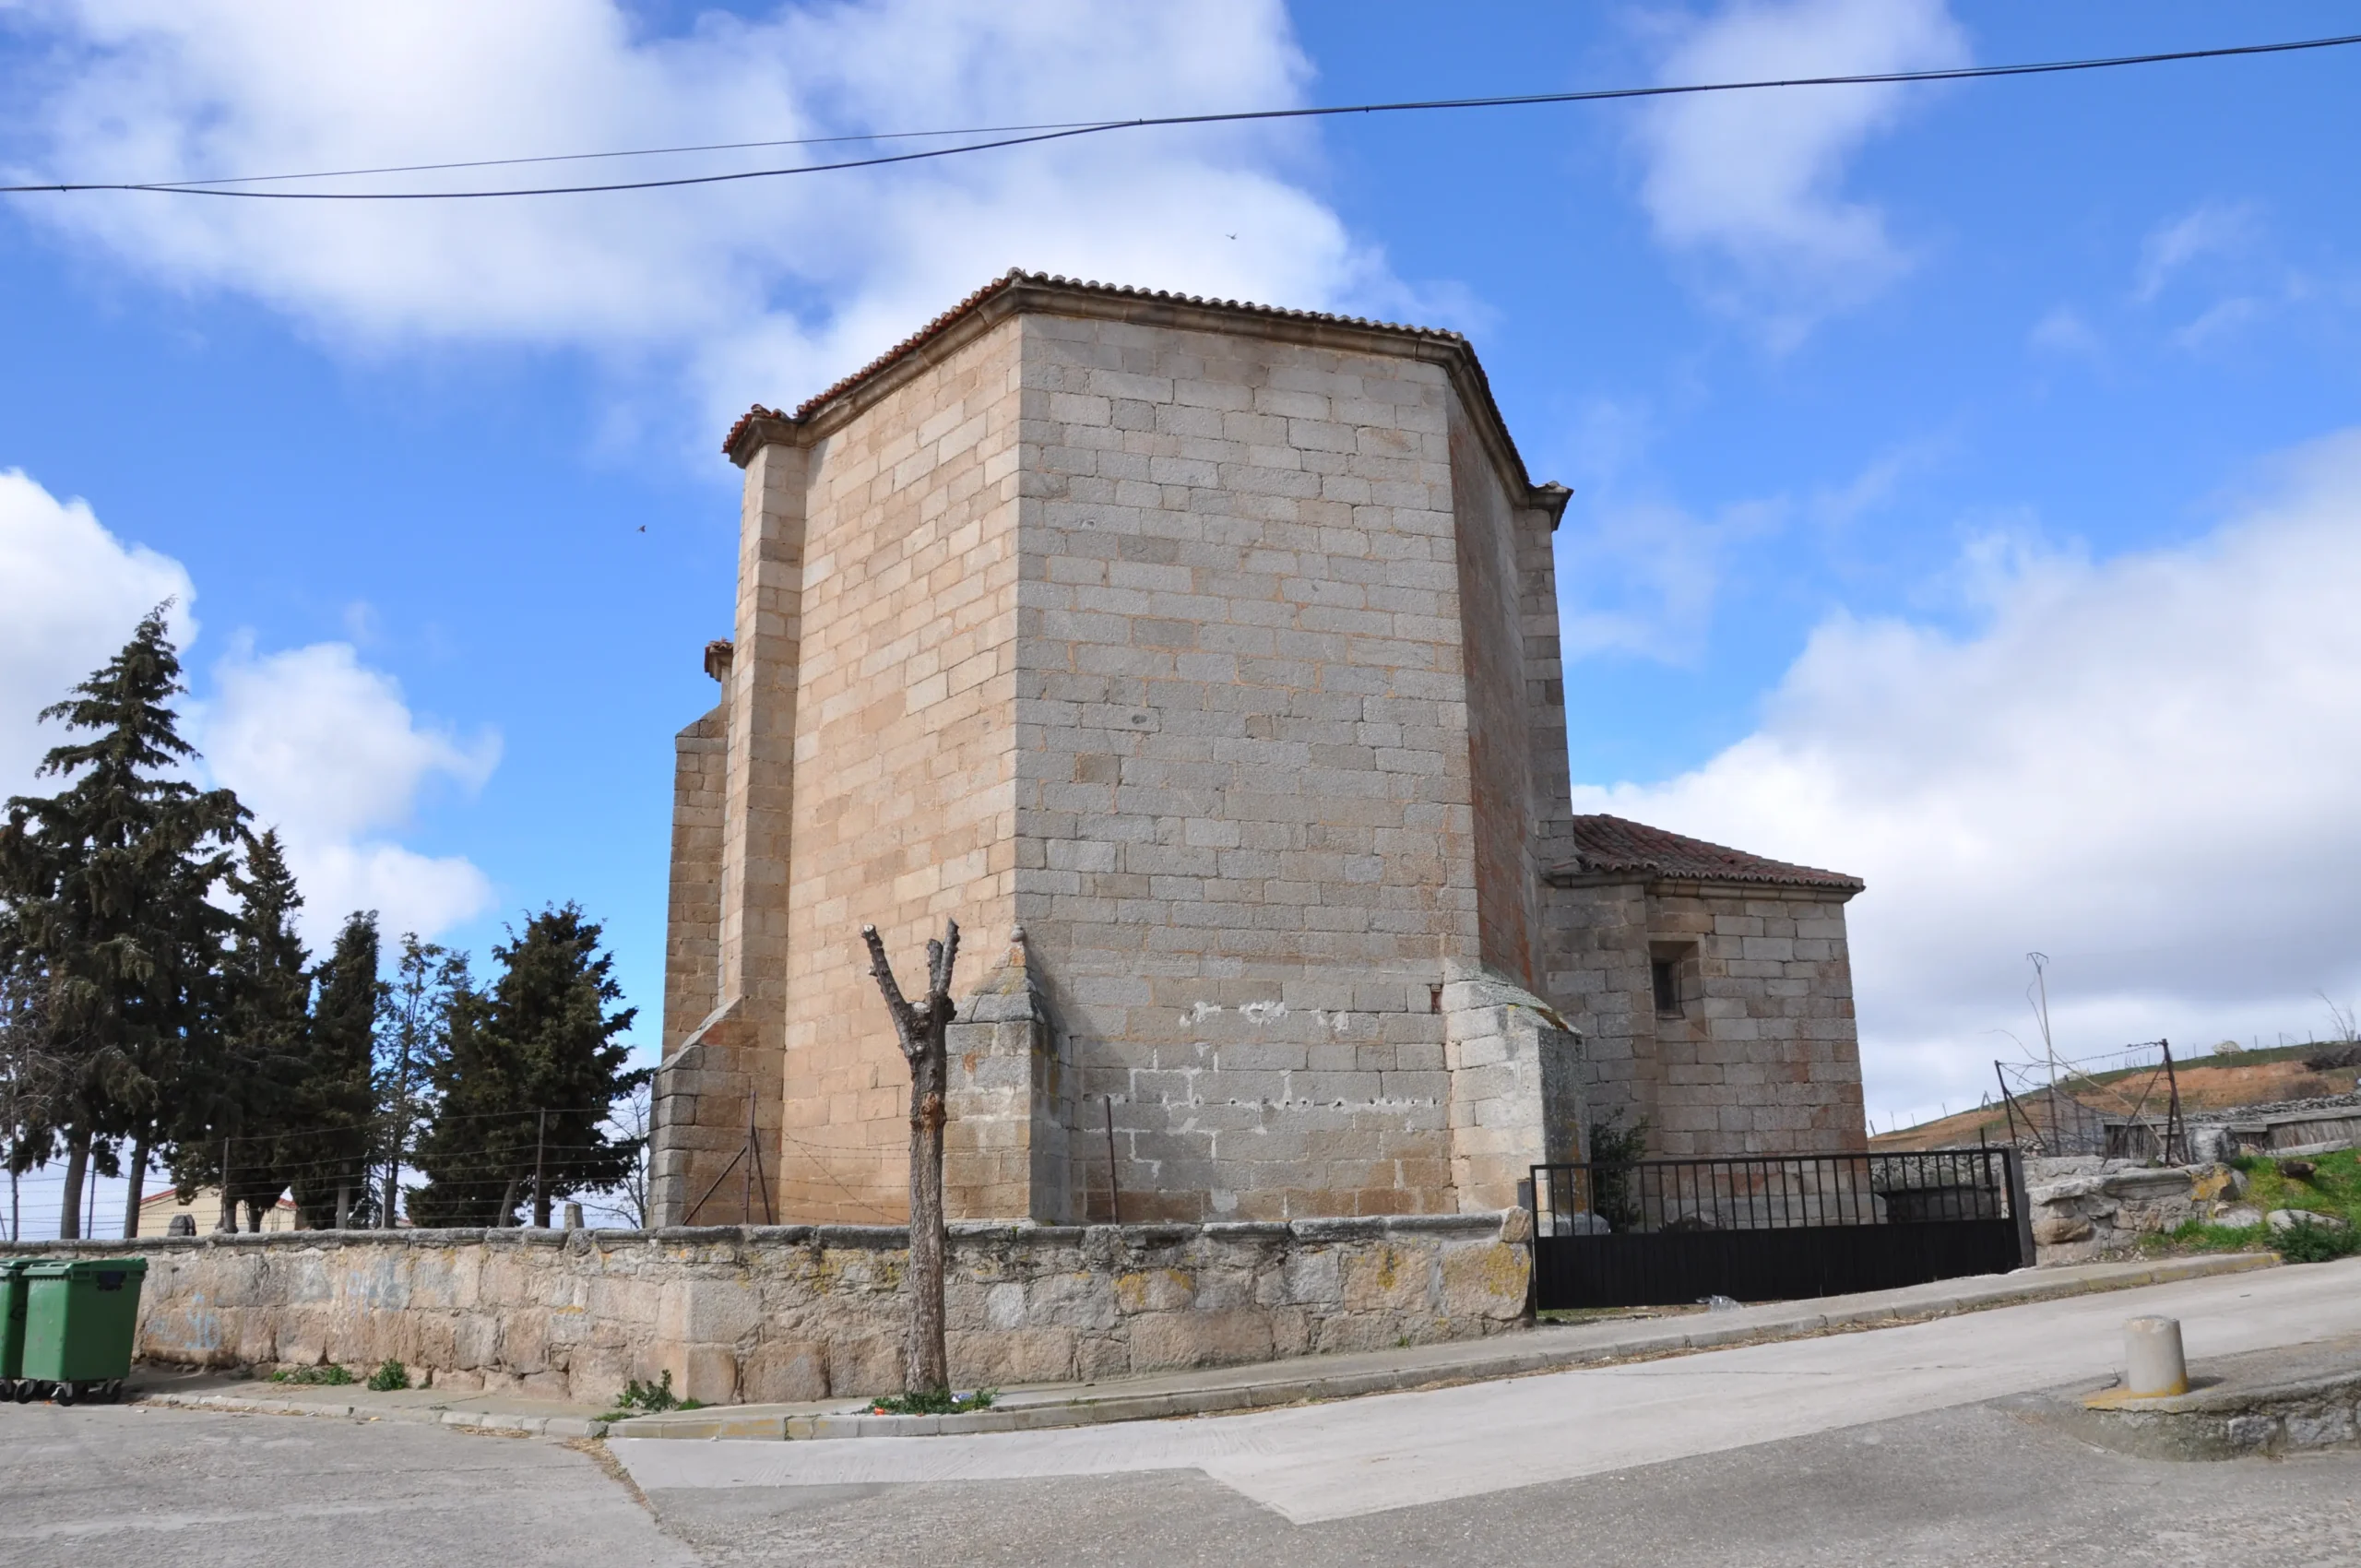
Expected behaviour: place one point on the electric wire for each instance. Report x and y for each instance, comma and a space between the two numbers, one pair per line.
1029, 136
631, 152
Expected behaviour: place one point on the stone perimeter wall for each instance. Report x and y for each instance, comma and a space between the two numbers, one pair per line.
2087, 1208
766, 1313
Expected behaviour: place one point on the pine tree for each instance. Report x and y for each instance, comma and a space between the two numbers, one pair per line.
533, 1070
327, 1157
104, 889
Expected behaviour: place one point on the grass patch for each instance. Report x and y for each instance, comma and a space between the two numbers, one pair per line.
931, 1402
2333, 1188
390, 1377
331, 1375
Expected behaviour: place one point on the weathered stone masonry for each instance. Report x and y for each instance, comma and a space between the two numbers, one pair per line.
800, 1313
1712, 989
1213, 647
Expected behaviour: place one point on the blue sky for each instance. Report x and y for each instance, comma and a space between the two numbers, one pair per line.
1965, 483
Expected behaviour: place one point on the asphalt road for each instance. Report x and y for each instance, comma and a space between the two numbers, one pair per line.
1879, 1447
164, 1489
1959, 1489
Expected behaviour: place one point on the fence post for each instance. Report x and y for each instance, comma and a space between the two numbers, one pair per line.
2019, 1206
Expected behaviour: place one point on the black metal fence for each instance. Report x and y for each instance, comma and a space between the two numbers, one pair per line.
1661, 1232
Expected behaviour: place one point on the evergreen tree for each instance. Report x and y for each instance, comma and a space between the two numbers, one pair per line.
532, 1071
242, 1097
327, 1157
431, 985
104, 890
31, 1074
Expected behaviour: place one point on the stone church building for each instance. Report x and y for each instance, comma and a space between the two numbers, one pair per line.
1201, 659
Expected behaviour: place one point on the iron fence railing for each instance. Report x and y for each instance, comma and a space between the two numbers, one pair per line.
1774, 1192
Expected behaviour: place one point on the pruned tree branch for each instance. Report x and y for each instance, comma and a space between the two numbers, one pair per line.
921, 1031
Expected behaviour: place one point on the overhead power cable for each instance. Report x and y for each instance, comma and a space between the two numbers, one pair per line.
1020, 135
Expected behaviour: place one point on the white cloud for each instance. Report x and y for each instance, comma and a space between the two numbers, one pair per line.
326, 751
762, 289
1754, 179
2063, 331
1643, 577
313, 742
2211, 229
70, 594
2145, 767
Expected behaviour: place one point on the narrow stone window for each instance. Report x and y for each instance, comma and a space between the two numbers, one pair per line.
1667, 977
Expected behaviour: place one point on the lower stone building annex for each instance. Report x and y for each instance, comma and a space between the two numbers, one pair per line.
1201, 661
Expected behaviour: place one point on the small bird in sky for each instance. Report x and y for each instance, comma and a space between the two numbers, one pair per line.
643, 527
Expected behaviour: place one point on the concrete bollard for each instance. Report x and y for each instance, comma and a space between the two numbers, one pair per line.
2153, 1363
574, 1217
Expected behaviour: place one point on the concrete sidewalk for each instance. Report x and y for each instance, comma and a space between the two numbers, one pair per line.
1205, 1390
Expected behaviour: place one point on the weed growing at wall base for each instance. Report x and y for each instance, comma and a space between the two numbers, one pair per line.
648, 1398
331, 1375
389, 1377
933, 1402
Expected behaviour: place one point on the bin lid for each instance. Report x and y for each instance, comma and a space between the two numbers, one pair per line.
81, 1268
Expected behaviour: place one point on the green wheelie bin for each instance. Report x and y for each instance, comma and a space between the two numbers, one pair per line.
79, 1315
12, 1324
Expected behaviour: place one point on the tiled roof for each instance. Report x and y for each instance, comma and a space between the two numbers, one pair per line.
1017, 275
1609, 846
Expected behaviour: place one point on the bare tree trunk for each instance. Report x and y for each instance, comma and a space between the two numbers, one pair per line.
926, 1359
507, 1215
135, 1187
77, 1168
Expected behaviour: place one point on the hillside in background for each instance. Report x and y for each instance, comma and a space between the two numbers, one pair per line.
2208, 1084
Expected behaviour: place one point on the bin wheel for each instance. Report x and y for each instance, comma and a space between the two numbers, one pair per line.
114, 1391
24, 1391
62, 1394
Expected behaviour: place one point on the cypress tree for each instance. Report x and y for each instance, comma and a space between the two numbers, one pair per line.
533, 1070
334, 1111
241, 1099
104, 890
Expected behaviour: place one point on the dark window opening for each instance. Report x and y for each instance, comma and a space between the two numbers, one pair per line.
1667, 977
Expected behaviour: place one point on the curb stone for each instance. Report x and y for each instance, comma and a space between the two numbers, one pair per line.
427, 1415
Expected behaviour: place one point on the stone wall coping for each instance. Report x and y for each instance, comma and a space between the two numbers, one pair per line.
878, 1238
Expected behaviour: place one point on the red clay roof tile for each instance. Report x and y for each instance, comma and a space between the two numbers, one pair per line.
1606, 846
